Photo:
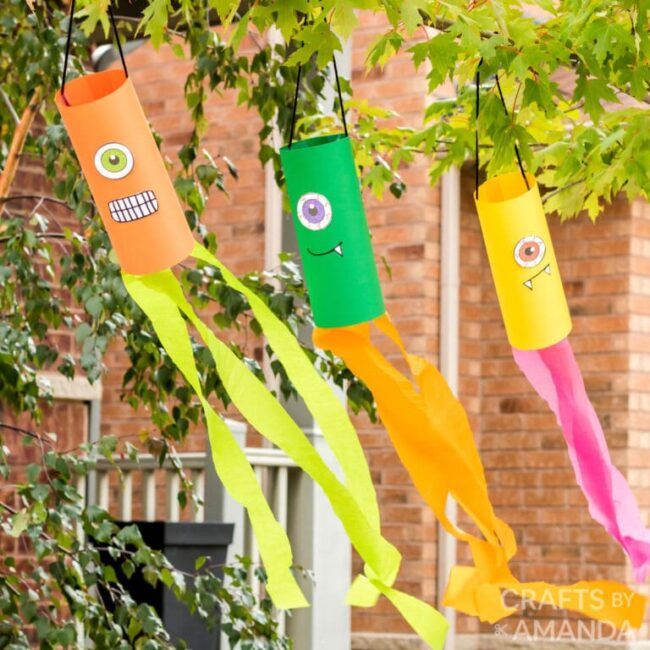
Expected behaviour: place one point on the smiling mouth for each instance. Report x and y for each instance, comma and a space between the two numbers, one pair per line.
338, 249
529, 282
134, 207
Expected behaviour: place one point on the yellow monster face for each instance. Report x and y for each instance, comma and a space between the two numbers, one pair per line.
522, 259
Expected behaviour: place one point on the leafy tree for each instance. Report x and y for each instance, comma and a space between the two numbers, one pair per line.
587, 140
70, 591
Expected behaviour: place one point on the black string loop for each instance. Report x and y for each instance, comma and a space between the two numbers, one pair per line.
476, 138
295, 101
69, 40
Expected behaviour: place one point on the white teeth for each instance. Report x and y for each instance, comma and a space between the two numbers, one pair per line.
548, 269
134, 207
529, 284
339, 250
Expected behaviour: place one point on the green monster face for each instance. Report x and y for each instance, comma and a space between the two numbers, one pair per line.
332, 231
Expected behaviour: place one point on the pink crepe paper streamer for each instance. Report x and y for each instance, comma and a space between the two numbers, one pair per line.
554, 374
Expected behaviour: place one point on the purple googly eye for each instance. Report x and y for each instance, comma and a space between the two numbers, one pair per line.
314, 211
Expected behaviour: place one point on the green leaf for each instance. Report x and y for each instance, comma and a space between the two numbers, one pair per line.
594, 92
94, 306
19, 523
344, 18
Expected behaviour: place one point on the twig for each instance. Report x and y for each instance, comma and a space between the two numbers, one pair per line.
41, 235
34, 197
550, 195
10, 106
26, 432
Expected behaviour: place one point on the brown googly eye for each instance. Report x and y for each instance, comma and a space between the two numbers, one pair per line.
530, 251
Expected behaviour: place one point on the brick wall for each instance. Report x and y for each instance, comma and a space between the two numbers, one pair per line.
406, 233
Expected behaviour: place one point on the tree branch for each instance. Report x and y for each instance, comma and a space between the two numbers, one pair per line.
34, 197
559, 190
18, 143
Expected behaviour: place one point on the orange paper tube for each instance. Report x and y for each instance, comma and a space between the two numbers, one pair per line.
125, 171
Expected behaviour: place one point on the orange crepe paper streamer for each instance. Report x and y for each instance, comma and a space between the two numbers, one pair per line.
125, 172
430, 430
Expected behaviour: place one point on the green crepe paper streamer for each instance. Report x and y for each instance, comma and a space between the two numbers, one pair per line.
229, 460
259, 407
329, 413
262, 410
337, 429
432, 629
343, 284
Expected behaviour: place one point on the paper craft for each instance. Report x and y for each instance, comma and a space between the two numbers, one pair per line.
537, 321
338, 258
125, 172
145, 222
427, 424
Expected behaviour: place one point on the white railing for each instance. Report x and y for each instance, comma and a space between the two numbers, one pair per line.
149, 470
142, 489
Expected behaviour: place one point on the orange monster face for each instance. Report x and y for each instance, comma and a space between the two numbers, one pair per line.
125, 172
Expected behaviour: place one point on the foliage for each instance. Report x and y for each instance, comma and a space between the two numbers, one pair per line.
575, 76
56, 272
68, 588
77, 258
563, 72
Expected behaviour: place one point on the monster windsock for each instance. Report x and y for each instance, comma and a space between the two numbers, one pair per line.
537, 321
427, 424
337, 251
146, 225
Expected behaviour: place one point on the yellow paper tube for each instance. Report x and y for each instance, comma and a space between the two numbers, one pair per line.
522, 259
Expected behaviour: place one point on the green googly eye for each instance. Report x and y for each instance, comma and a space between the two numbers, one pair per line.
113, 160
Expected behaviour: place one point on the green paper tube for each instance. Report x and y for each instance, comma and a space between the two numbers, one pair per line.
332, 231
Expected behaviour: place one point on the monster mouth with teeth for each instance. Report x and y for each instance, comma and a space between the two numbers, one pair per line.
338, 249
134, 207
529, 283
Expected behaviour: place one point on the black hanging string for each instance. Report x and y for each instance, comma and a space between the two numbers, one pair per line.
505, 109
338, 87
295, 101
295, 106
69, 40
476, 139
